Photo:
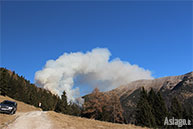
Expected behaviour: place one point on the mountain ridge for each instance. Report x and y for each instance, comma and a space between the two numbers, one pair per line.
180, 86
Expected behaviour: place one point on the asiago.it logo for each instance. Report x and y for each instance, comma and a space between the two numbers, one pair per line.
177, 122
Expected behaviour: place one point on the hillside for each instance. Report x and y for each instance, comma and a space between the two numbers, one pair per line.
120, 105
27, 113
170, 87
6, 119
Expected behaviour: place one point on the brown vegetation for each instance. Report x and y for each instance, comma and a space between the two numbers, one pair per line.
99, 106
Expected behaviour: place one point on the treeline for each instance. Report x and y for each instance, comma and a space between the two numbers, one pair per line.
99, 106
152, 111
17, 87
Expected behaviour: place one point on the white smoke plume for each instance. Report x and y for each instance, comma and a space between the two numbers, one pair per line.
92, 69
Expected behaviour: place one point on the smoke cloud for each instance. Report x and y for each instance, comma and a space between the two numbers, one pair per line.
91, 69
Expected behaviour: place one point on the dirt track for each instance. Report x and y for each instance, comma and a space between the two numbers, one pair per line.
31, 120
6, 119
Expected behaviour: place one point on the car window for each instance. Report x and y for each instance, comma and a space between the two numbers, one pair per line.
8, 103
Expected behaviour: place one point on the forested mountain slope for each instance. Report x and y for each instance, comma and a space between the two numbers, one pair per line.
180, 87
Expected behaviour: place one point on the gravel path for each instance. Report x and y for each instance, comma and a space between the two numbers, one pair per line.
31, 120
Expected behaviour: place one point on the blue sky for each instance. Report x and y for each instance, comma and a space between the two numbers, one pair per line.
154, 35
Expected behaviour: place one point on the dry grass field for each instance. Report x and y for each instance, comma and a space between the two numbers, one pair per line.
71, 122
51, 120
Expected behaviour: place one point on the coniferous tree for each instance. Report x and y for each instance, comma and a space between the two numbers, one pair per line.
61, 105
176, 110
152, 97
144, 116
190, 116
116, 109
158, 107
161, 111
93, 107
102, 107
11, 83
4, 87
74, 109
64, 99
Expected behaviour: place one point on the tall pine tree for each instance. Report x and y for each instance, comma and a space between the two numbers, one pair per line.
176, 109
61, 105
4, 86
158, 107
144, 116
